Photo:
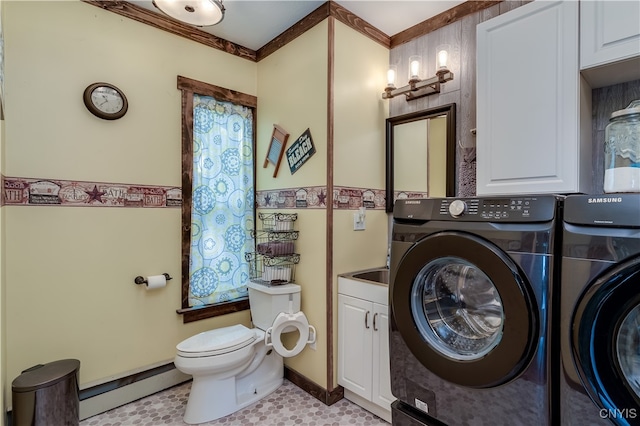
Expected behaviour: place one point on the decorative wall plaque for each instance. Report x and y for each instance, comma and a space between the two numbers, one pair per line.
276, 148
300, 151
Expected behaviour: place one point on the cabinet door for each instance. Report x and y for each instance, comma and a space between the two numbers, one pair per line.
609, 32
381, 390
528, 100
355, 330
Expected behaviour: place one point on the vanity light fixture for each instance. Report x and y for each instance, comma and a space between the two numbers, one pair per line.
201, 13
417, 87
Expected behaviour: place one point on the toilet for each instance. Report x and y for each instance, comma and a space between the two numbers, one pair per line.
235, 366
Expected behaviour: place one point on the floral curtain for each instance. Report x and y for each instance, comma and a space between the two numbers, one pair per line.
222, 213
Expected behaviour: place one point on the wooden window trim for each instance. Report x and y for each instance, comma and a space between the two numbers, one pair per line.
190, 87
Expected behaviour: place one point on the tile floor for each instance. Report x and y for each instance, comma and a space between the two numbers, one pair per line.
288, 405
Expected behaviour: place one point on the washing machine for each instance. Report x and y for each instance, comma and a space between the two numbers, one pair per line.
470, 300
600, 311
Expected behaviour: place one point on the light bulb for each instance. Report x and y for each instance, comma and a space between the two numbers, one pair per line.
442, 59
414, 67
391, 77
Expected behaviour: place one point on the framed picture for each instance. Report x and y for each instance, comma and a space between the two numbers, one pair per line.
276, 148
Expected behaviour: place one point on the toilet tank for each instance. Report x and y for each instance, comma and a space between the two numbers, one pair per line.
267, 302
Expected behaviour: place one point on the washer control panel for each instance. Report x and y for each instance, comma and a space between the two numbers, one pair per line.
518, 209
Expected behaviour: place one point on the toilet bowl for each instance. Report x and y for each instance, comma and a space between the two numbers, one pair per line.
235, 366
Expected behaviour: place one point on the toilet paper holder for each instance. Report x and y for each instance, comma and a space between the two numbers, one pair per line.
142, 280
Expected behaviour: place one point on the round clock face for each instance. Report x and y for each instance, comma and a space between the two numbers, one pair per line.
105, 101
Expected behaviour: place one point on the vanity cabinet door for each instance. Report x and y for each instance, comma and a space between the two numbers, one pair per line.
529, 102
355, 334
381, 390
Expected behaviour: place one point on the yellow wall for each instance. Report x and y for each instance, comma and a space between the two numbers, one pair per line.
3, 322
359, 152
412, 157
68, 274
292, 92
437, 167
69, 270
359, 145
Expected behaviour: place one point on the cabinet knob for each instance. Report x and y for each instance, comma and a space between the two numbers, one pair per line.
366, 320
374, 322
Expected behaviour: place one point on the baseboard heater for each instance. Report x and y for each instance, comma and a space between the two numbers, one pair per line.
105, 396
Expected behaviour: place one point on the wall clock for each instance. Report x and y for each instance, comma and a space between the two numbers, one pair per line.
105, 100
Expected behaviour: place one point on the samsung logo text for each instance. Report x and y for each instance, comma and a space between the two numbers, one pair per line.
605, 200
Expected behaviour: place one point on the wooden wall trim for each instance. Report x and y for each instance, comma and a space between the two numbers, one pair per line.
313, 389
355, 22
218, 92
187, 188
330, 165
188, 88
330, 8
445, 18
294, 31
157, 20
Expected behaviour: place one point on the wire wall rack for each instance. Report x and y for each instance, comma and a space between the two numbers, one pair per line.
274, 260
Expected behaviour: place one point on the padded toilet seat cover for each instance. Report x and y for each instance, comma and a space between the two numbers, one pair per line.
284, 320
217, 342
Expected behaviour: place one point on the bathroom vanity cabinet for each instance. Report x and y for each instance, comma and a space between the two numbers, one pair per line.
363, 345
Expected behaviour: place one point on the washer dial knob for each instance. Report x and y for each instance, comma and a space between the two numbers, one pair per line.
457, 208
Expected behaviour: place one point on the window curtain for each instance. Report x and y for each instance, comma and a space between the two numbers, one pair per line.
222, 213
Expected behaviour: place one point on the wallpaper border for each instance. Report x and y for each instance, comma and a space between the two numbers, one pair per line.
58, 192
315, 197
23, 191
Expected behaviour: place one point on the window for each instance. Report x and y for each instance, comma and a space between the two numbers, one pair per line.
218, 190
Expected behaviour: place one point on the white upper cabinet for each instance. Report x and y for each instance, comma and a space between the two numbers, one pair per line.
610, 31
531, 103
610, 41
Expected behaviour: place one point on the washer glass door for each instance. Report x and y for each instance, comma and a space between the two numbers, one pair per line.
605, 340
457, 308
465, 309
628, 349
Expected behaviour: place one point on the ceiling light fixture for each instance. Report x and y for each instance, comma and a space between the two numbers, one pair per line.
201, 13
417, 87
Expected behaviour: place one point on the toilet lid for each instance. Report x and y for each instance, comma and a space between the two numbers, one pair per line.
216, 342
284, 320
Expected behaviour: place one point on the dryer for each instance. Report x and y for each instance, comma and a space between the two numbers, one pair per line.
600, 311
470, 301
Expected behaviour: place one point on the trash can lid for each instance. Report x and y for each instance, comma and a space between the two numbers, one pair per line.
41, 376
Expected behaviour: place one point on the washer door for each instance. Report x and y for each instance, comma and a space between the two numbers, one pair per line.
605, 339
464, 309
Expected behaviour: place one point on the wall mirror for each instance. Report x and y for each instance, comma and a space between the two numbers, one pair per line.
420, 154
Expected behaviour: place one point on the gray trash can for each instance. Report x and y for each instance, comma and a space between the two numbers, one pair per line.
47, 394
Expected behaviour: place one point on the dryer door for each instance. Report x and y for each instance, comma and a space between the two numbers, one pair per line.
605, 340
464, 309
